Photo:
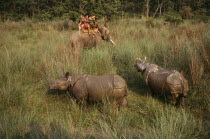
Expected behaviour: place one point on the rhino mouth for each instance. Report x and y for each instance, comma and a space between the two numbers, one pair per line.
138, 70
56, 92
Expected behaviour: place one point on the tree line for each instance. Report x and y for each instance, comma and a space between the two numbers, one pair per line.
71, 9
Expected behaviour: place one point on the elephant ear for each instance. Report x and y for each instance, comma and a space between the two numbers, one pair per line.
106, 36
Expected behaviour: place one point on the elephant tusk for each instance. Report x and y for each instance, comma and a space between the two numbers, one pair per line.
112, 42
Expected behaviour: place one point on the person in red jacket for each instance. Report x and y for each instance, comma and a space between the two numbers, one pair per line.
84, 23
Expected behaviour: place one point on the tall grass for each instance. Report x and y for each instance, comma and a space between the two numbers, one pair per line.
33, 54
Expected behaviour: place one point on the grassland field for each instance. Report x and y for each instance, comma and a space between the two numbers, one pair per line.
33, 54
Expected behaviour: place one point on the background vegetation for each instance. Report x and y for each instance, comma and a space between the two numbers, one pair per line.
42, 10
33, 54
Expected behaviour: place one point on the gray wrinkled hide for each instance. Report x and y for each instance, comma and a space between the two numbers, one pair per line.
94, 88
163, 82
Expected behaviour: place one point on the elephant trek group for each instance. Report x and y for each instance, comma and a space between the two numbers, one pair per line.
161, 82
80, 40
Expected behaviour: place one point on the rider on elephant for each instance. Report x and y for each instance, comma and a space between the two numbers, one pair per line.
88, 23
84, 23
93, 23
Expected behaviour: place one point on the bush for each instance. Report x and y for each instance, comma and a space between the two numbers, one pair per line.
186, 12
45, 16
201, 18
173, 17
64, 25
150, 23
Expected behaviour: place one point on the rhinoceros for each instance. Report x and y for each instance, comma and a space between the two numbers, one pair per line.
169, 84
93, 88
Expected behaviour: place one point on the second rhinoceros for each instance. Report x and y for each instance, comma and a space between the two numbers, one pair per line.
93, 88
163, 82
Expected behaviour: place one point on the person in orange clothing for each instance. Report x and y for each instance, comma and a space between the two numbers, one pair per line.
84, 23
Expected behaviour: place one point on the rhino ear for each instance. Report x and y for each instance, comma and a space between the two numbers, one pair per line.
138, 59
145, 58
67, 74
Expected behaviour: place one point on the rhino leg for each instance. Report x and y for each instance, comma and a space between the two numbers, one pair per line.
149, 93
122, 103
171, 99
85, 105
119, 96
80, 92
180, 101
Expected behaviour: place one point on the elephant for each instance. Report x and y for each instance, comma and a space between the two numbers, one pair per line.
88, 88
163, 82
85, 40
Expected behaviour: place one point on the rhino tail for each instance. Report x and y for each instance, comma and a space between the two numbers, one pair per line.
182, 84
185, 87
126, 90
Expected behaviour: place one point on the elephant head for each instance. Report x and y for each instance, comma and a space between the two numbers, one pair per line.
105, 34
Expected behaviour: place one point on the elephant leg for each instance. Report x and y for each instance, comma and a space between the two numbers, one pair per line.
76, 56
72, 48
97, 40
75, 52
